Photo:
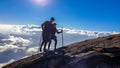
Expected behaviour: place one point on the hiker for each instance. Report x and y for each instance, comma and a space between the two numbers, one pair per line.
53, 36
47, 27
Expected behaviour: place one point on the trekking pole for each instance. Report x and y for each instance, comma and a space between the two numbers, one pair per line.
62, 38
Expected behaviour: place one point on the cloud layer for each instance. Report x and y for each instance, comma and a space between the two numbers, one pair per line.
19, 41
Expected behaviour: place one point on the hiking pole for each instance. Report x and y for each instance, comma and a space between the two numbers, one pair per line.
62, 38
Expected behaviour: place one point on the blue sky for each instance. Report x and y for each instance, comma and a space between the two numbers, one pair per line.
97, 15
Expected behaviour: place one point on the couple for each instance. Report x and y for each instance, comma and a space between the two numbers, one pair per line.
48, 34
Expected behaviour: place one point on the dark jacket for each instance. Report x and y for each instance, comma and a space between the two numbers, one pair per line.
54, 30
47, 27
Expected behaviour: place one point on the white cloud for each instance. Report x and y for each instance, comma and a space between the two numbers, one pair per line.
18, 29
32, 50
13, 48
17, 40
89, 33
72, 32
2, 64
32, 29
8, 47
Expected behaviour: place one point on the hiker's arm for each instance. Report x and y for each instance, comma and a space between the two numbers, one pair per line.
42, 26
59, 31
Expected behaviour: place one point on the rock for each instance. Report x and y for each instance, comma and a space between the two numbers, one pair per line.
93, 60
101, 52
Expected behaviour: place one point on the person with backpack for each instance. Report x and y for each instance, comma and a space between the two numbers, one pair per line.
53, 36
47, 28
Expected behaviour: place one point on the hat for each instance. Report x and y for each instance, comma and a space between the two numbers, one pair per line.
54, 24
52, 18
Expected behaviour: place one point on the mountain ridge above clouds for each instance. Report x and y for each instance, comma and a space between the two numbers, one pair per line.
101, 52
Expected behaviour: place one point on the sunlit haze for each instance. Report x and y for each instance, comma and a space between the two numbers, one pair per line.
40, 2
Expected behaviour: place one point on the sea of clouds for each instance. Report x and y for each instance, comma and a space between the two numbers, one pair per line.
20, 41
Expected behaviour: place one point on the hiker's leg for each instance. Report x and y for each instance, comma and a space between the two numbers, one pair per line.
49, 40
43, 41
41, 45
45, 46
49, 45
55, 43
55, 39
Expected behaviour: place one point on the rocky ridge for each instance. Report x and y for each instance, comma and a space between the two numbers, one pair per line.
102, 52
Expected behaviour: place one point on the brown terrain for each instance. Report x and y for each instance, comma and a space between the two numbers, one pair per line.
102, 52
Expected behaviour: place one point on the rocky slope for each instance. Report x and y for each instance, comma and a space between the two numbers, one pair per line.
103, 52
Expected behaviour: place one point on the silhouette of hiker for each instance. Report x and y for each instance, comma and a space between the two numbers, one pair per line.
53, 36
47, 27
